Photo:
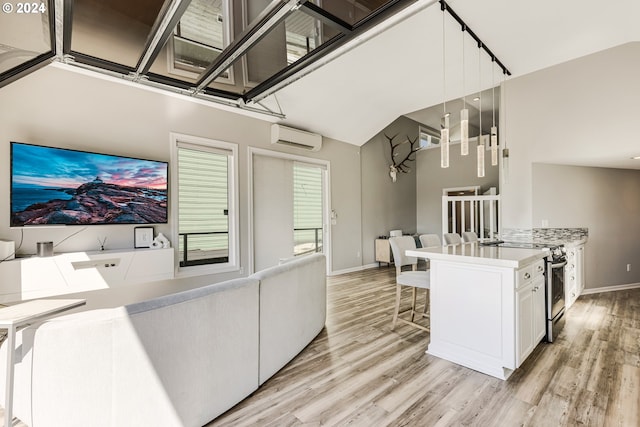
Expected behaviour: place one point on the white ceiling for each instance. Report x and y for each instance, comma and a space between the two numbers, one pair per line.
399, 70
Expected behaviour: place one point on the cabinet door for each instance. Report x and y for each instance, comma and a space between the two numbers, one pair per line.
383, 251
539, 311
580, 269
524, 318
570, 293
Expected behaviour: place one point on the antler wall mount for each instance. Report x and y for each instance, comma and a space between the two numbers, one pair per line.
401, 166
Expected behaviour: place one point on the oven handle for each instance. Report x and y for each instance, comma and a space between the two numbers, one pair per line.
559, 264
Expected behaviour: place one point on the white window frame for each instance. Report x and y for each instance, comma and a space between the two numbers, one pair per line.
234, 209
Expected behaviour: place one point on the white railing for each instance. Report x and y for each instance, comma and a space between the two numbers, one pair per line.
478, 214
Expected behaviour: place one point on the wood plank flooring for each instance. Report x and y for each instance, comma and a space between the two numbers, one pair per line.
358, 372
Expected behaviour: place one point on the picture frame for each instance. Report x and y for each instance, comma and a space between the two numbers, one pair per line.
142, 237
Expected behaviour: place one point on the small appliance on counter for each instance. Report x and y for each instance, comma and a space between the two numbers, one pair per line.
7, 250
44, 249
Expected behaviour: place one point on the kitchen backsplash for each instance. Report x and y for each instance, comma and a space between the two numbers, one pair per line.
544, 234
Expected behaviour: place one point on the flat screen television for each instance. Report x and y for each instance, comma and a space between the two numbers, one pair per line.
56, 186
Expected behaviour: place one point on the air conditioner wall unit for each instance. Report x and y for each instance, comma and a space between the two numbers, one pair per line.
295, 138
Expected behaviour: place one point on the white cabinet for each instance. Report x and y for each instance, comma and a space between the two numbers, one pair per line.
524, 313
539, 310
34, 277
530, 309
574, 273
383, 251
580, 280
486, 317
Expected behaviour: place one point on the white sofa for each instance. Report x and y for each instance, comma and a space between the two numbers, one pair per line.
176, 360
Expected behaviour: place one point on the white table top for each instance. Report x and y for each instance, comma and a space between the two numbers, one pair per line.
472, 253
18, 314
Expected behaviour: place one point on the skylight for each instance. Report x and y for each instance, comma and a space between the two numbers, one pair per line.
227, 49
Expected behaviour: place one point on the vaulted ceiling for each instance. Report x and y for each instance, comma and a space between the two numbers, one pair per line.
385, 58
399, 71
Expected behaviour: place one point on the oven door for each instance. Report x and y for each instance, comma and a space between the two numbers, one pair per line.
555, 288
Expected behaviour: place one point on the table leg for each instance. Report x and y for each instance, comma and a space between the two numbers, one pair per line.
8, 396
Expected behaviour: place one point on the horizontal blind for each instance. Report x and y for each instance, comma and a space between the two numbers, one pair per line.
203, 196
307, 205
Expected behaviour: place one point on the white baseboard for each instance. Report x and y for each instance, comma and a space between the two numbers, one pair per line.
610, 288
354, 269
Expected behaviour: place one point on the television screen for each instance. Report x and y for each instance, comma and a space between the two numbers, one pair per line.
54, 186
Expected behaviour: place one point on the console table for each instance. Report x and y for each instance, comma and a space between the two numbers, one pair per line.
70, 272
18, 316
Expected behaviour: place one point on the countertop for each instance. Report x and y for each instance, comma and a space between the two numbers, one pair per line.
472, 253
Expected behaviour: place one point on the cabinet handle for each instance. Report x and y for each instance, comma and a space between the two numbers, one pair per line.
540, 268
527, 276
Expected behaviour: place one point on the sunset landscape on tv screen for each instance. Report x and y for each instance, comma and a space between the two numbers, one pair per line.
53, 186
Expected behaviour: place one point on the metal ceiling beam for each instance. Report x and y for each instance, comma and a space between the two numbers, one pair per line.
171, 15
445, 6
275, 13
67, 26
327, 18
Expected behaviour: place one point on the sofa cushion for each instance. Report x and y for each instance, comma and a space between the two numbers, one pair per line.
293, 308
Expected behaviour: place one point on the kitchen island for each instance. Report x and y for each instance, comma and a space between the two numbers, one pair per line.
487, 305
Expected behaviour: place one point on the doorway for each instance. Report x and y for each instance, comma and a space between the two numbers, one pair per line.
289, 207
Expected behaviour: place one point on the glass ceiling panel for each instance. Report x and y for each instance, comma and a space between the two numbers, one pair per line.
24, 36
285, 44
204, 30
114, 30
350, 11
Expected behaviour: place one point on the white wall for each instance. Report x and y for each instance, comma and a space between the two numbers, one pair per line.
574, 113
583, 112
387, 205
62, 108
462, 172
604, 200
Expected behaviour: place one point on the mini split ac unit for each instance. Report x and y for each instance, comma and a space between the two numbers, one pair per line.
295, 138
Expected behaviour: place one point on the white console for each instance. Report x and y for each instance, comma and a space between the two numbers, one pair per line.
27, 278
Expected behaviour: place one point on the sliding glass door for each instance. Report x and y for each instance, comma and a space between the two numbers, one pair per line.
289, 208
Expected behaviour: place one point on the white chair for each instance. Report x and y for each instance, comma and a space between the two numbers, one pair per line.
469, 237
452, 238
430, 240
415, 279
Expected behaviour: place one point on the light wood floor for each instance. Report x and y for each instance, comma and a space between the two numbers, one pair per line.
358, 372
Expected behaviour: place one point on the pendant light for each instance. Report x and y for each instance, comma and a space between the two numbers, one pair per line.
503, 123
494, 129
464, 113
480, 147
444, 125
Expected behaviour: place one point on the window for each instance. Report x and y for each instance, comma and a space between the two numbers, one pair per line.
205, 204
200, 36
307, 208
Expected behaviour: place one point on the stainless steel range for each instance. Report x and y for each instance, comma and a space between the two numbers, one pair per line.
554, 278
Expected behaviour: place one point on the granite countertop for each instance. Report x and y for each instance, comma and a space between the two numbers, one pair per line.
575, 242
472, 253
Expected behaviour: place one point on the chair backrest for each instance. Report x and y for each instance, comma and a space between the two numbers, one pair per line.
398, 246
452, 238
469, 236
430, 240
